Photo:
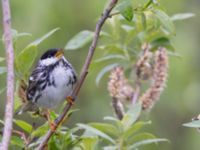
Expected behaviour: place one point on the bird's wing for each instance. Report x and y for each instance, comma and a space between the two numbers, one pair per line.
33, 85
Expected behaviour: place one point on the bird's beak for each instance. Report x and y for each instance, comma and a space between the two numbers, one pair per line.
59, 53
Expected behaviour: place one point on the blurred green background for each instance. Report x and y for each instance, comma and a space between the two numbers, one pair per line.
181, 99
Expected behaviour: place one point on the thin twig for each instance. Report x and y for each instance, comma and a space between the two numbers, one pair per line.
22, 135
83, 74
136, 92
10, 75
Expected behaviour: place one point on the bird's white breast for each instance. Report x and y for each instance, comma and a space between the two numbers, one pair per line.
54, 95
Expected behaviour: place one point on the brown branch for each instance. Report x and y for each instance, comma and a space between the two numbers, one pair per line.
10, 75
84, 72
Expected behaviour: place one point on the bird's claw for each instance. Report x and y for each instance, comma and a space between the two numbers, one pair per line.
70, 100
52, 126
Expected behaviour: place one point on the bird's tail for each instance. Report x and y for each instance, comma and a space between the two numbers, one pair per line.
26, 105
31, 107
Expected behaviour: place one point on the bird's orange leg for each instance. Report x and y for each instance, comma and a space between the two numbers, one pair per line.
70, 100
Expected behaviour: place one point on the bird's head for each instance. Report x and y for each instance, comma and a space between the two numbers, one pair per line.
51, 56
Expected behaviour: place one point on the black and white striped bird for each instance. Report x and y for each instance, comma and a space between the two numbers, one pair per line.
51, 81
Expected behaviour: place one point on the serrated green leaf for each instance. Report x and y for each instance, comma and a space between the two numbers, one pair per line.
96, 132
2, 59
25, 59
131, 116
182, 16
44, 37
104, 71
145, 142
110, 56
134, 128
2, 70
165, 21
109, 129
17, 141
24, 125
193, 124
80, 40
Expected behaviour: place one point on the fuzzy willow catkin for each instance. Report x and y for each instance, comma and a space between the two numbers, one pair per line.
118, 85
159, 79
143, 66
119, 90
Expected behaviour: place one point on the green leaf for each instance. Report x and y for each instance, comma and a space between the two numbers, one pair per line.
111, 56
140, 137
127, 28
131, 116
3, 70
110, 148
116, 121
2, 59
18, 141
182, 16
128, 13
24, 125
80, 40
165, 21
162, 42
89, 143
126, 9
16, 35
134, 128
111, 119
26, 58
123, 5
112, 49
144, 22
96, 132
145, 142
53, 115
40, 131
104, 71
193, 124
44, 37
1, 122
106, 128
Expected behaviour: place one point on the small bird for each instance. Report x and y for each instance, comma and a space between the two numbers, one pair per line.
51, 81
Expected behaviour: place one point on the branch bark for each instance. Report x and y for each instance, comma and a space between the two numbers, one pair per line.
10, 75
84, 71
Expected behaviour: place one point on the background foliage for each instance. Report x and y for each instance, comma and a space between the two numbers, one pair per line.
180, 100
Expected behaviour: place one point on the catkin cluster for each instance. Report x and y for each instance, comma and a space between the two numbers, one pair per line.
158, 81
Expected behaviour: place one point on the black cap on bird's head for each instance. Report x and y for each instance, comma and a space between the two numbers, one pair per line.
54, 52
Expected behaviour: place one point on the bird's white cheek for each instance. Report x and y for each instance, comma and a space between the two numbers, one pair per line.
48, 61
